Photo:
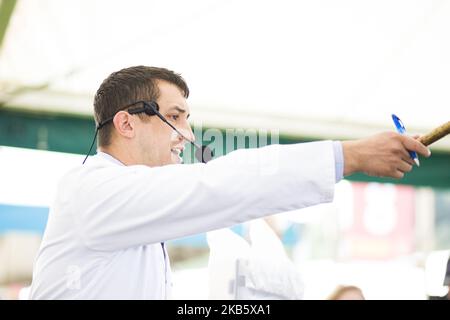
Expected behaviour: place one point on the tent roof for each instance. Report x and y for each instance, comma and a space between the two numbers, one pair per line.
312, 68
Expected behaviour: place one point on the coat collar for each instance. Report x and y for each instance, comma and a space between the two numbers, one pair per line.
108, 157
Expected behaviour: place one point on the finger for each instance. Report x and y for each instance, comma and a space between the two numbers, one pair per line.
414, 145
404, 167
398, 174
405, 154
408, 159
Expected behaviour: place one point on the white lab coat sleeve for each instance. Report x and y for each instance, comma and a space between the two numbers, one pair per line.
123, 206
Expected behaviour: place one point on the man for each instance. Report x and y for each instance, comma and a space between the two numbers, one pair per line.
107, 227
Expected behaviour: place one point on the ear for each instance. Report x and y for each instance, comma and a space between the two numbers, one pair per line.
124, 124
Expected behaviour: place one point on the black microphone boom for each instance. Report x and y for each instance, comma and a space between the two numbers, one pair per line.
202, 153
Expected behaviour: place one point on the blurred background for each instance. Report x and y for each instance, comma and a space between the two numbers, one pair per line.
310, 70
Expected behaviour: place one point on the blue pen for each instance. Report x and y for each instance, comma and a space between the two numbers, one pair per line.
401, 129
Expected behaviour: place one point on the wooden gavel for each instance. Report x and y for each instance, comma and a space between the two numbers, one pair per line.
436, 134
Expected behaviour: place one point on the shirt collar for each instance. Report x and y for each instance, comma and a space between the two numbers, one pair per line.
109, 157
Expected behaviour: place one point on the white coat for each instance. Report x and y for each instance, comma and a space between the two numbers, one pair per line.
105, 229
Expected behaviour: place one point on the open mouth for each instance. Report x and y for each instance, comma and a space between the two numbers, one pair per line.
177, 153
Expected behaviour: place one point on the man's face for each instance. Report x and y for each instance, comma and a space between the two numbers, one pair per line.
157, 143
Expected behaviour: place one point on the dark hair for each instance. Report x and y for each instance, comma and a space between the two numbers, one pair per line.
126, 86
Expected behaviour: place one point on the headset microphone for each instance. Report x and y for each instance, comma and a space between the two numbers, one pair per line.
202, 153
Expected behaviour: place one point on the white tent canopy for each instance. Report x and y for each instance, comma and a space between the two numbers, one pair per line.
309, 68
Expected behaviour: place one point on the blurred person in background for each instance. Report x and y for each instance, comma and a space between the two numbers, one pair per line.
347, 293
107, 227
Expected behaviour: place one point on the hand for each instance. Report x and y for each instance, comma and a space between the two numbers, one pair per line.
382, 155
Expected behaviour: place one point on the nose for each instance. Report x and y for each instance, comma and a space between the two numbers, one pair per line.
186, 130
191, 133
